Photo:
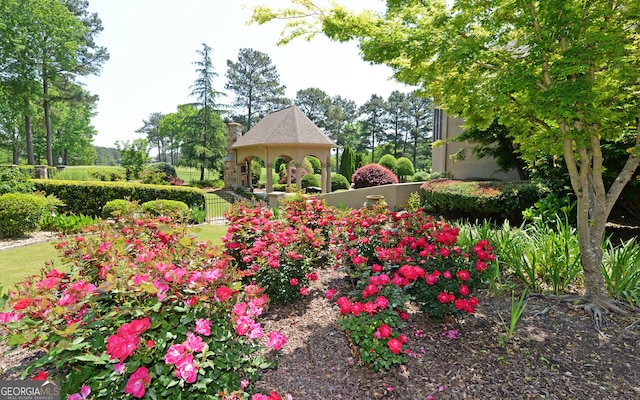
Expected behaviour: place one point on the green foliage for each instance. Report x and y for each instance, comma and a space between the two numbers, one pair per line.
105, 174
420, 176
89, 198
124, 303
549, 208
543, 258
21, 213
167, 168
621, 270
404, 168
315, 163
360, 160
197, 215
339, 182
373, 175
256, 171
12, 180
153, 178
279, 164
67, 223
489, 199
390, 162
310, 181
207, 183
119, 207
173, 209
517, 308
133, 156
256, 86
348, 163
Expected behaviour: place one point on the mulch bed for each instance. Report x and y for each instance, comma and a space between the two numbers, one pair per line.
556, 353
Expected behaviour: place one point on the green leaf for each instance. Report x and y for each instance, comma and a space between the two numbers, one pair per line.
15, 340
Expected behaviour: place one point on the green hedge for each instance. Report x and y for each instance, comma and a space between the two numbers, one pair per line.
89, 198
480, 199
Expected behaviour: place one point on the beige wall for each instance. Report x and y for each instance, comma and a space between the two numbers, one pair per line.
395, 196
471, 167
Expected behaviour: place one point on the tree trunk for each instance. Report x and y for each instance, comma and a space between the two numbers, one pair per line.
28, 134
47, 121
594, 206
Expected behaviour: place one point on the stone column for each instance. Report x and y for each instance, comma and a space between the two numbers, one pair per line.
230, 176
269, 177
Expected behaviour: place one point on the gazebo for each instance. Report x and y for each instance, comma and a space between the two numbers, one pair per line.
287, 133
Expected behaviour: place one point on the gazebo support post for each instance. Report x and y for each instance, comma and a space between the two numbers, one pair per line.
269, 177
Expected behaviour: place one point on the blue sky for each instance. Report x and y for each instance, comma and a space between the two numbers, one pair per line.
153, 44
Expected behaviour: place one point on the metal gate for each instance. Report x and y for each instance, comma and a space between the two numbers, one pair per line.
219, 202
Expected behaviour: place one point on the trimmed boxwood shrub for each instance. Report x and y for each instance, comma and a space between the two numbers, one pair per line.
310, 180
315, 163
480, 199
389, 161
167, 208
373, 175
420, 176
167, 168
404, 168
89, 198
21, 213
339, 182
118, 207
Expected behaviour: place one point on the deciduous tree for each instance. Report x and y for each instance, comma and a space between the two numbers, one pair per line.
565, 74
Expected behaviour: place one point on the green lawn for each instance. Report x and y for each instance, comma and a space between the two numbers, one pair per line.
193, 174
18, 263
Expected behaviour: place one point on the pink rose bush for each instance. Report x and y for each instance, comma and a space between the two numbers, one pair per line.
145, 311
280, 252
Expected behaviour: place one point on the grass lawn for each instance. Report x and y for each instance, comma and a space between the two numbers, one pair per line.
18, 263
193, 174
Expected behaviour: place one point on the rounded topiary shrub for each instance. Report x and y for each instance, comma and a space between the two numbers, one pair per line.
420, 176
339, 182
21, 213
404, 168
310, 180
389, 161
373, 175
167, 168
119, 207
166, 208
315, 163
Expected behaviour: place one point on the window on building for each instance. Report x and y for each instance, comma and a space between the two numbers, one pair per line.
437, 124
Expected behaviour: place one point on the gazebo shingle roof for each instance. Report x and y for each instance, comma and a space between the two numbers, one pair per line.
287, 126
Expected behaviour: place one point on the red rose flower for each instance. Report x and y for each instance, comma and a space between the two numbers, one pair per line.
395, 345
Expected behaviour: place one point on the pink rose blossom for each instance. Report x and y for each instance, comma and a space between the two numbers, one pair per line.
276, 340
174, 354
203, 327
194, 343
186, 369
119, 368
138, 382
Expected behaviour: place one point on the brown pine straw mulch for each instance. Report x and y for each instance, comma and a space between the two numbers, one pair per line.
555, 353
